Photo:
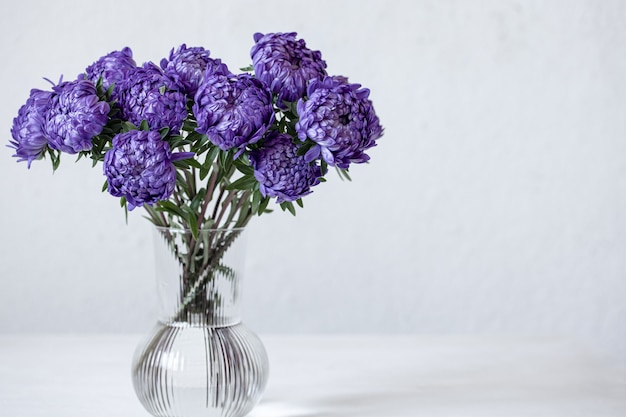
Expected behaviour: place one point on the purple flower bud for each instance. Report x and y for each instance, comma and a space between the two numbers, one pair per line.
113, 68
233, 111
139, 167
75, 116
285, 64
280, 171
29, 137
340, 118
147, 94
186, 67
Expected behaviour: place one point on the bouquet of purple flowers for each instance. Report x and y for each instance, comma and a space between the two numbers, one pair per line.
197, 145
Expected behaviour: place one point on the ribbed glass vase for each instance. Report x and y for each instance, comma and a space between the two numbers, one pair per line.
199, 359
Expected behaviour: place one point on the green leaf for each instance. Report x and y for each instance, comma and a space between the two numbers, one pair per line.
247, 69
109, 91
171, 208
192, 220
291, 129
323, 167
186, 163
244, 168
300, 203
98, 82
263, 205
225, 160
144, 125
256, 201
123, 204
247, 182
244, 213
128, 126
293, 107
194, 136
162, 89
176, 141
206, 145
304, 148
288, 205
198, 199
164, 131
154, 216
193, 225
55, 158
193, 162
105, 186
180, 179
198, 142
343, 174
210, 157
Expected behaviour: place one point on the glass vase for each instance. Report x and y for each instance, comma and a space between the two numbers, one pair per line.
199, 359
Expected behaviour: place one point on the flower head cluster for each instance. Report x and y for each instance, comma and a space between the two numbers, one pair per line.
203, 144
76, 114
233, 111
281, 172
340, 119
139, 166
29, 138
112, 68
285, 64
147, 94
186, 67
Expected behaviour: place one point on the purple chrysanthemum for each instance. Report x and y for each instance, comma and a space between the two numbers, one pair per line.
29, 138
186, 67
233, 111
75, 116
281, 172
285, 64
340, 118
147, 94
113, 68
139, 167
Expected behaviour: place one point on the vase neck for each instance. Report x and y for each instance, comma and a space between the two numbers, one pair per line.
201, 320
198, 277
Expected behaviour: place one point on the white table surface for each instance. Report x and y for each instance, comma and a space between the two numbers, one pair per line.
331, 376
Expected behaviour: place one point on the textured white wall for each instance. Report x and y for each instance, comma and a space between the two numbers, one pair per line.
495, 203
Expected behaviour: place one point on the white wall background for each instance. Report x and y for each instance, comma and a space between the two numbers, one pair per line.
495, 203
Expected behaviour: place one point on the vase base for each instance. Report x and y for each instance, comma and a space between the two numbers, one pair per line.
205, 371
